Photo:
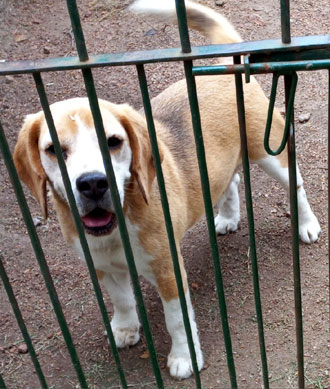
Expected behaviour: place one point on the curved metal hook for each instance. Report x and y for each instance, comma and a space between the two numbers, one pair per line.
288, 114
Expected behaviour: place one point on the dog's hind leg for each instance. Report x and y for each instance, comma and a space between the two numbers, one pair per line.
228, 207
277, 167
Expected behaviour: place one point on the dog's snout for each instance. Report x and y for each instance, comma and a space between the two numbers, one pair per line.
92, 185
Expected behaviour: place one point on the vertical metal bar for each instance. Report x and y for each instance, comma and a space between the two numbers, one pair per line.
167, 216
285, 21
249, 208
80, 229
2, 383
95, 109
40, 257
295, 240
77, 30
329, 175
21, 324
183, 26
193, 101
200, 150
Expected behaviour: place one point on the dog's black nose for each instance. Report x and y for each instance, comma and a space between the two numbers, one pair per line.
92, 185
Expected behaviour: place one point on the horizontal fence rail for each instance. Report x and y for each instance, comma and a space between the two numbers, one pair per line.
310, 49
279, 57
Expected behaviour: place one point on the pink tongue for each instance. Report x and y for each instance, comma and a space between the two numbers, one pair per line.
91, 220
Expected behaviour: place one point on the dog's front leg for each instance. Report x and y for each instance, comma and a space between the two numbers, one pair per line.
179, 361
125, 323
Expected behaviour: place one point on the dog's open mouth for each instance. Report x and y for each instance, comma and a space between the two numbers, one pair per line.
99, 222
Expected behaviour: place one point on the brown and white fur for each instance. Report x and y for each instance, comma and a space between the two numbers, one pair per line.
135, 175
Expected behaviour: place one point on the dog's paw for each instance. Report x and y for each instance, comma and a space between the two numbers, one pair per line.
309, 230
125, 337
180, 367
224, 225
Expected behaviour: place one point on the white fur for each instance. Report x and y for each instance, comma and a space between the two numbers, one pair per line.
125, 323
228, 208
179, 361
109, 255
166, 9
309, 227
157, 7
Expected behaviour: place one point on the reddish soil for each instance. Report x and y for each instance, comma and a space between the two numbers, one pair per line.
35, 29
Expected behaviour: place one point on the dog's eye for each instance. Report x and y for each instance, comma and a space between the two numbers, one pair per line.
114, 142
51, 151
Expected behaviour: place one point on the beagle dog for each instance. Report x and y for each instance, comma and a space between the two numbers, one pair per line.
130, 151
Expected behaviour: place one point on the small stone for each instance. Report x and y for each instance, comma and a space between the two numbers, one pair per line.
22, 349
9, 79
46, 50
303, 118
220, 3
195, 286
150, 32
20, 38
36, 221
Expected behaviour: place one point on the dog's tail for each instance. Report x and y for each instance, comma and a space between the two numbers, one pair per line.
212, 25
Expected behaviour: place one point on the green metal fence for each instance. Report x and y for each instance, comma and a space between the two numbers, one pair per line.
285, 58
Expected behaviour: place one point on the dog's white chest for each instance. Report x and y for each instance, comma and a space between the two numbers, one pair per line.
109, 255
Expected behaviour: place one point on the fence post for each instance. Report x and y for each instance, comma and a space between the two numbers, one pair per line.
288, 79
249, 208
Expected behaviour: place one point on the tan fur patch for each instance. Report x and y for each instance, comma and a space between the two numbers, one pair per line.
100, 274
65, 218
27, 160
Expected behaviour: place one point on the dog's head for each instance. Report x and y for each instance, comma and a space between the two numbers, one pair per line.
128, 144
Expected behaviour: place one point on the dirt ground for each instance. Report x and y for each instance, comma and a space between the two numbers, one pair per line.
35, 29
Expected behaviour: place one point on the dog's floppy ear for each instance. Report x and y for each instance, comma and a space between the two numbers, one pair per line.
142, 167
27, 160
